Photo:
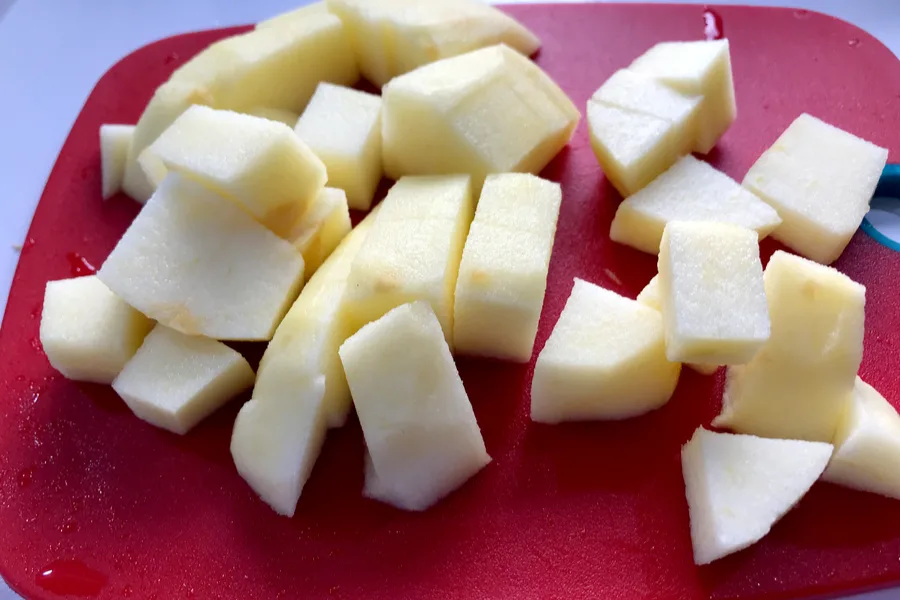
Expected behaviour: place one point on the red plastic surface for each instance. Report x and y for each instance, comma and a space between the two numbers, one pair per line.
113, 507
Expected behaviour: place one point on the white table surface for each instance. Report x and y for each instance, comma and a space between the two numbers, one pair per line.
43, 85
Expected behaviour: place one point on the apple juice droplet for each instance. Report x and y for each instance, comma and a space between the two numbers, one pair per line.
71, 577
713, 27
79, 265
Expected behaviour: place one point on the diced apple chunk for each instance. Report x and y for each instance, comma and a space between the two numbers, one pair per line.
197, 263
420, 430
605, 359
114, 143
690, 190
321, 228
258, 163
650, 296
639, 128
408, 257
392, 37
697, 68
280, 115
867, 444
503, 272
820, 179
493, 110
342, 126
798, 385
87, 332
174, 381
309, 11
712, 293
738, 486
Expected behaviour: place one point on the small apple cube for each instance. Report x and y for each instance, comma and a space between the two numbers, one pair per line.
409, 258
420, 430
87, 332
321, 228
493, 110
259, 164
713, 297
867, 444
114, 143
503, 272
639, 128
174, 381
278, 435
309, 11
288, 117
393, 37
820, 179
199, 264
605, 359
738, 486
698, 68
690, 190
342, 126
650, 296
797, 386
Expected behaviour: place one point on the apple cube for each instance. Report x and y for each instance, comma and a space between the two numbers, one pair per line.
258, 163
699, 68
87, 332
820, 192
393, 37
407, 257
605, 359
307, 12
114, 143
797, 386
503, 272
738, 486
420, 430
199, 264
342, 126
321, 228
867, 444
639, 128
276, 441
650, 296
174, 381
690, 190
493, 110
288, 117
713, 297
168, 102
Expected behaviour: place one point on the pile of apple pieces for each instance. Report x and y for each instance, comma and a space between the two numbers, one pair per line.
240, 240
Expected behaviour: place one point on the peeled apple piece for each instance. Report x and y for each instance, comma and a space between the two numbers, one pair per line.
798, 385
319, 231
174, 381
488, 111
420, 429
604, 359
310, 11
87, 332
689, 190
281, 115
820, 179
197, 263
738, 486
393, 37
114, 143
257, 163
867, 444
697, 68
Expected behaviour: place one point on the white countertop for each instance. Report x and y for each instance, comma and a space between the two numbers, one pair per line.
46, 83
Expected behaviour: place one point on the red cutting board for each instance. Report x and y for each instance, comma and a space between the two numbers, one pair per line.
116, 508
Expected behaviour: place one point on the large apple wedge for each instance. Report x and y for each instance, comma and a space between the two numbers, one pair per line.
199, 264
605, 359
867, 444
488, 111
738, 486
419, 426
393, 37
799, 383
